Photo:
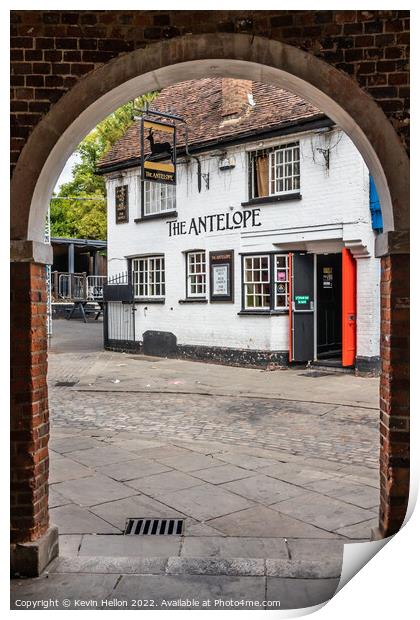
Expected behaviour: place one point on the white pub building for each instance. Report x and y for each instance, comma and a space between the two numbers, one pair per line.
263, 252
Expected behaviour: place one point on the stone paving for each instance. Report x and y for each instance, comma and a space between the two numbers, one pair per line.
270, 489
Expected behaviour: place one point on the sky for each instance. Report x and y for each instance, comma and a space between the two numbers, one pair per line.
66, 174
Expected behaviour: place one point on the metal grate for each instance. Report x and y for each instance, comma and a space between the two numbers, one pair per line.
154, 527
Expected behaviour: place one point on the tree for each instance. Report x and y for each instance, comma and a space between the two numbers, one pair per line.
87, 218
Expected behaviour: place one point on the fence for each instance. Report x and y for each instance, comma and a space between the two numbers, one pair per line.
67, 286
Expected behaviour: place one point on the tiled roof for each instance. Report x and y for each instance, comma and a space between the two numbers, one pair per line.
199, 102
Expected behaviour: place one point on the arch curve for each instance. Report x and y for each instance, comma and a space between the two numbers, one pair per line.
192, 57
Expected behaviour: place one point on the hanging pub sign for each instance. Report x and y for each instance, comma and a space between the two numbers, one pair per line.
121, 204
221, 276
158, 151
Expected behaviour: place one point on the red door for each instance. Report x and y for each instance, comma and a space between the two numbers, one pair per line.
349, 308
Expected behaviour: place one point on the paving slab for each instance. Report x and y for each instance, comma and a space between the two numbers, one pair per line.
324, 512
371, 481
129, 441
96, 489
300, 593
189, 462
106, 564
105, 455
71, 444
245, 460
197, 588
221, 474
215, 566
63, 469
166, 451
205, 501
264, 522
138, 506
319, 568
362, 496
310, 549
62, 586
69, 544
159, 484
55, 498
295, 473
263, 489
126, 546
130, 470
360, 530
72, 519
234, 547
197, 528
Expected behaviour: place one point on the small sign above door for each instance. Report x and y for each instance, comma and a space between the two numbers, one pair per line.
327, 277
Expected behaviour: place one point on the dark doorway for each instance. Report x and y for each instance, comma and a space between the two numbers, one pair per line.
329, 306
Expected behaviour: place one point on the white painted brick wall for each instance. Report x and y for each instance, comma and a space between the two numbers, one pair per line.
336, 200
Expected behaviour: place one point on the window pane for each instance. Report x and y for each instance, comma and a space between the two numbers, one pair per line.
196, 274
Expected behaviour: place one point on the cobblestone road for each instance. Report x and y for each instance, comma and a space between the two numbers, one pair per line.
340, 433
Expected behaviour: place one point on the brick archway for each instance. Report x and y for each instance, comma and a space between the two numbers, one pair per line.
40, 163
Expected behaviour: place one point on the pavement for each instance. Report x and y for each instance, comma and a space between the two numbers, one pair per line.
272, 472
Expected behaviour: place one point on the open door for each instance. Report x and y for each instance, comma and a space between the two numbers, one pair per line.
301, 307
349, 308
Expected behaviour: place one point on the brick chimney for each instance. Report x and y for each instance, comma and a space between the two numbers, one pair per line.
235, 100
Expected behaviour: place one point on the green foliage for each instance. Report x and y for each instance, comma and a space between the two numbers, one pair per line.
87, 218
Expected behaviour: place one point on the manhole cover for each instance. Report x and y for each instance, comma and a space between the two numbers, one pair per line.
65, 383
154, 527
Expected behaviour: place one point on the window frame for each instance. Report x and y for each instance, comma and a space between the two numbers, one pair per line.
272, 152
159, 186
188, 275
151, 282
273, 307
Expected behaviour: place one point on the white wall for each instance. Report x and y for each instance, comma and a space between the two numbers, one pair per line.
333, 211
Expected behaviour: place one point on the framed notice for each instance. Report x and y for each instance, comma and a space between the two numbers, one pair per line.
221, 276
121, 204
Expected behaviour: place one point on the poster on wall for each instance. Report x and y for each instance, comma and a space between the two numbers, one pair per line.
121, 204
327, 277
221, 276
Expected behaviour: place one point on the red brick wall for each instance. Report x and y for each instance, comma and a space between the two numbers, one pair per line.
51, 50
29, 403
394, 392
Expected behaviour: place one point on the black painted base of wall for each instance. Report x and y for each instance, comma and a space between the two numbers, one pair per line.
367, 366
123, 346
234, 357
164, 344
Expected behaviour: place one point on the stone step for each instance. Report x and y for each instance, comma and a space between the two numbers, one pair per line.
175, 565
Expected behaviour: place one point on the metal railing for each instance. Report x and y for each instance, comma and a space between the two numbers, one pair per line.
95, 287
67, 286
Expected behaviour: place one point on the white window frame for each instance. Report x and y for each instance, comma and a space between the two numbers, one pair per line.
290, 150
195, 288
255, 284
252, 264
284, 169
158, 198
284, 270
148, 277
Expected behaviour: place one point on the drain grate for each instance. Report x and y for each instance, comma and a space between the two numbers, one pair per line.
154, 527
